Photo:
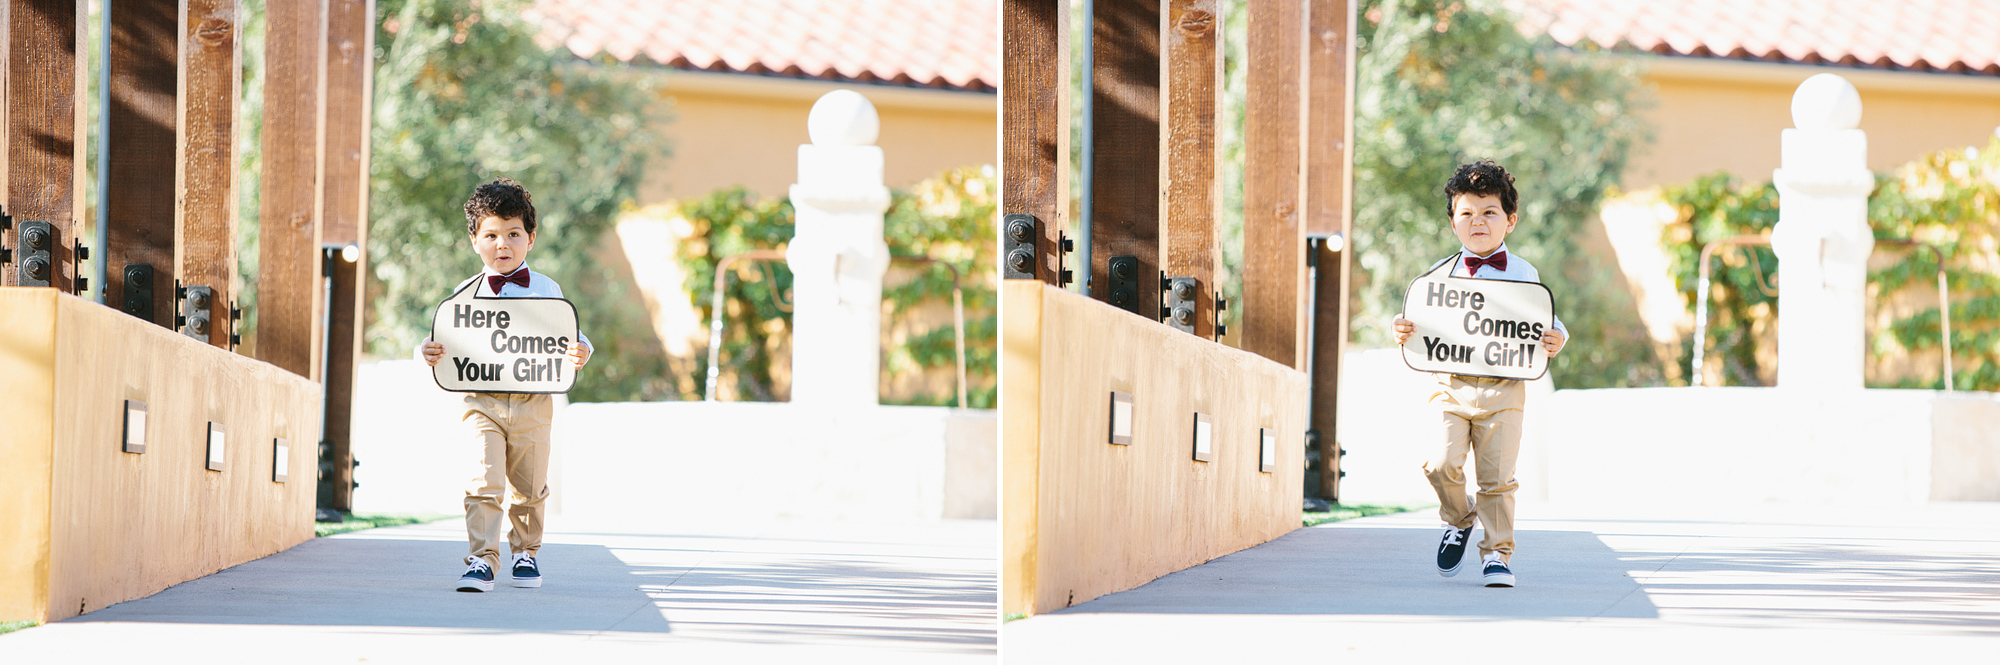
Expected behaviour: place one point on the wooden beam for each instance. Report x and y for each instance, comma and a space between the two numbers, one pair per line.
1125, 110
1329, 215
1191, 76
350, 43
289, 289
1274, 272
210, 77
140, 193
1034, 112
44, 156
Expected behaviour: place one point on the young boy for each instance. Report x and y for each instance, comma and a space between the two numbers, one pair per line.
509, 433
1481, 415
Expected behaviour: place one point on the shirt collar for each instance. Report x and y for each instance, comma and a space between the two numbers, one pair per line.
484, 271
1462, 249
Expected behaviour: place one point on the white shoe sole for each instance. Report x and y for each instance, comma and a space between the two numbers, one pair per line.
527, 582
474, 585
1500, 580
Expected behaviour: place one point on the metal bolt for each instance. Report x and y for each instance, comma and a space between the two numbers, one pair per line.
1184, 315
1021, 260
200, 325
200, 299
82, 252
1184, 291
1068, 245
1121, 296
1124, 269
1020, 230
38, 268
1068, 276
137, 278
36, 238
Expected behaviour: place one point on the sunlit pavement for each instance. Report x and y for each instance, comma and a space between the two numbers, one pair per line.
1713, 585
718, 593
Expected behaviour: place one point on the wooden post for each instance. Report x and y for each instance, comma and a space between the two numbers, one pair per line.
1191, 32
209, 80
289, 273
1329, 186
144, 81
1274, 270
350, 37
44, 154
1034, 112
1125, 110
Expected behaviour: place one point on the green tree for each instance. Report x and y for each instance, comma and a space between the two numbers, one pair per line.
1444, 82
464, 95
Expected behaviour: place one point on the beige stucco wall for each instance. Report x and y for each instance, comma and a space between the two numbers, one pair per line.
1724, 115
734, 129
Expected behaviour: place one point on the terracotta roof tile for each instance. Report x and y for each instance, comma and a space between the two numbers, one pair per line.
951, 44
1926, 35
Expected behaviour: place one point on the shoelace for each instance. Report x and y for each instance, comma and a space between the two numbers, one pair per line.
526, 561
479, 566
1451, 537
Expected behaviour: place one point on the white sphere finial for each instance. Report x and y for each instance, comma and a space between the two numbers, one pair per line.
843, 117
1826, 101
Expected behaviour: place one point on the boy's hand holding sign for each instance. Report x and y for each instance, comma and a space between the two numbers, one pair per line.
1477, 327
505, 345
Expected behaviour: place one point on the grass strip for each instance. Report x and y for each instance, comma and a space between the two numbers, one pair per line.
1342, 512
11, 626
361, 522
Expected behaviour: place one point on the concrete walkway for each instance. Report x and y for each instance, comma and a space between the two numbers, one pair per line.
1770, 584
782, 592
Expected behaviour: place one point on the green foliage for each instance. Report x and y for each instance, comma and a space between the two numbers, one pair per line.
464, 95
1444, 82
1338, 512
1949, 198
949, 218
364, 522
11, 626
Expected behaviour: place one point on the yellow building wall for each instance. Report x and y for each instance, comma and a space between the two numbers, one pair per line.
1721, 115
733, 129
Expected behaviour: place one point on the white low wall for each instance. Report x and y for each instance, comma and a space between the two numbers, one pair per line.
634, 464
1681, 445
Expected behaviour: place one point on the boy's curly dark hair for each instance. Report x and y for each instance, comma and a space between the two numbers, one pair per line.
1482, 177
501, 198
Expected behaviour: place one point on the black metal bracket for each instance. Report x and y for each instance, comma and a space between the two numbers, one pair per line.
195, 301
1123, 290
1020, 244
235, 314
80, 253
37, 266
1180, 308
1221, 304
6, 224
1064, 276
138, 299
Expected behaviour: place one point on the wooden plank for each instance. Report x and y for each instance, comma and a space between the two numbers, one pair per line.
1329, 186
44, 156
1274, 302
140, 196
1020, 442
1034, 113
289, 289
1191, 32
1125, 110
350, 43
206, 104
27, 451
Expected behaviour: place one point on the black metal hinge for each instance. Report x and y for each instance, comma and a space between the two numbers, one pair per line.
138, 300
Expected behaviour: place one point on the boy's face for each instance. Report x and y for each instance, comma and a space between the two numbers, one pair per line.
502, 243
1480, 223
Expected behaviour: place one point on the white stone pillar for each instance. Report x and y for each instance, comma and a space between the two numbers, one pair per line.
837, 255
1822, 239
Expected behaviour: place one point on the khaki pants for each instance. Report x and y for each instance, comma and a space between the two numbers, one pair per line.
1483, 417
509, 436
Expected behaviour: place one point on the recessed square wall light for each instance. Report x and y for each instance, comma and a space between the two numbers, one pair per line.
1204, 437
1267, 449
215, 440
281, 459
1121, 418
135, 426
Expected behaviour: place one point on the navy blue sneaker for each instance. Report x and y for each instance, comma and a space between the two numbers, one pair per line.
1451, 550
527, 574
1497, 573
478, 577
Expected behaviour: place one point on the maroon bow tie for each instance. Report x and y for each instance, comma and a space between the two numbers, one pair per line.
1498, 260
520, 276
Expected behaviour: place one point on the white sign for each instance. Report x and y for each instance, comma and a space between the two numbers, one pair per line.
504, 345
1477, 327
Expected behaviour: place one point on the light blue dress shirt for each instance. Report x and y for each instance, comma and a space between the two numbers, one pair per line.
1518, 270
